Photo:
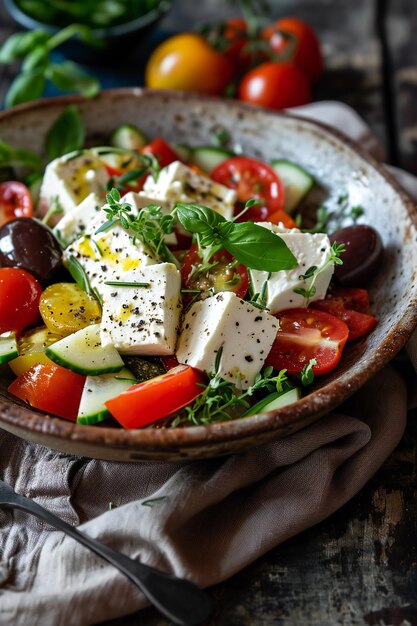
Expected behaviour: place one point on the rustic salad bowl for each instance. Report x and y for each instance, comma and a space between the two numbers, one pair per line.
337, 164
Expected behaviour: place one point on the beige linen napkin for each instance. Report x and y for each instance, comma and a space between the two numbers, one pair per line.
212, 518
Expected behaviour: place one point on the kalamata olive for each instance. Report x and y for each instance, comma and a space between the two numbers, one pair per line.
362, 257
28, 244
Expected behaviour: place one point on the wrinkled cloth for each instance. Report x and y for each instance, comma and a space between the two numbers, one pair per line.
206, 519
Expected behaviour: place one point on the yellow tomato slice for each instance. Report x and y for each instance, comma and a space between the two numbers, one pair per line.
65, 308
31, 346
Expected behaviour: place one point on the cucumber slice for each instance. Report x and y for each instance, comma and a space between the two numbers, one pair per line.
274, 401
8, 347
183, 151
207, 157
83, 353
297, 182
97, 390
129, 137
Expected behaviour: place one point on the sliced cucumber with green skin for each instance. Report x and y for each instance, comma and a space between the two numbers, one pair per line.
183, 151
129, 137
274, 401
207, 158
97, 390
8, 347
297, 182
83, 353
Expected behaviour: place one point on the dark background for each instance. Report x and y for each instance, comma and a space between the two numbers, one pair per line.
359, 566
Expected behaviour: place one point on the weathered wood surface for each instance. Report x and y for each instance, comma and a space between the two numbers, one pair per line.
359, 567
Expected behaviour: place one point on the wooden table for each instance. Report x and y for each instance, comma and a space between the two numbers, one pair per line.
360, 565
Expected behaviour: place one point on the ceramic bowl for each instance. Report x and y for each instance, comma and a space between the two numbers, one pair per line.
339, 165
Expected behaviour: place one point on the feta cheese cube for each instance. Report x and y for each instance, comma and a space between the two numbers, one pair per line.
143, 320
309, 250
244, 332
111, 251
179, 183
71, 180
76, 222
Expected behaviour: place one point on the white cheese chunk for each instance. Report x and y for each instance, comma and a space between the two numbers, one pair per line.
76, 222
143, 320
277, 228
108, 252
179, 183
309, 250
244, 332
71, 180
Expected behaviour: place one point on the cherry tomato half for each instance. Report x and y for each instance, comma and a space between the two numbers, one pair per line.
15, 201
19, 299
223, 276
50, 388
162, 150
351, 306
283, 217
115, 172
156, 398
305, 334
275, 86
307, 54
251, 179
188, 63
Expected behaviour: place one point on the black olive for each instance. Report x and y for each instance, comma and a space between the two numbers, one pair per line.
362, 257
28, 244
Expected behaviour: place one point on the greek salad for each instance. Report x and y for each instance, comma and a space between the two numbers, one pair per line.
159, 285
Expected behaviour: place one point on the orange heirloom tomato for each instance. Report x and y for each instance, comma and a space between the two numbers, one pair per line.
275, 86
283, 217
156, 398
188, 63
307, 55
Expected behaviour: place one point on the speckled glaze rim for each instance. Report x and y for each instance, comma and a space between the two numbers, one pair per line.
259, 427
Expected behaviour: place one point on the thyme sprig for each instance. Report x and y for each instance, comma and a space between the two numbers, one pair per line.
219, 396
149, 225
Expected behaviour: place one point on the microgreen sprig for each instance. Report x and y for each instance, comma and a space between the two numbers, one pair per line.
149, 226
313, 272
220, 396
306, 375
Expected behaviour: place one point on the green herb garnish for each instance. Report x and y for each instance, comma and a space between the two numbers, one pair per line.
119, 283
254, 246
307, 375
313, 272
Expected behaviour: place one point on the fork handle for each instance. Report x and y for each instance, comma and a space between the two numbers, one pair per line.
178, 599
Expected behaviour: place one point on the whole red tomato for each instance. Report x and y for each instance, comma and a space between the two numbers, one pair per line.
188, 63
307, 53
275, 86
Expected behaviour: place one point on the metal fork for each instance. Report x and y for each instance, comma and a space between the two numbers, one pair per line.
176, 598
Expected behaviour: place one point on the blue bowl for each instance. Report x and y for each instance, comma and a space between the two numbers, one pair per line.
119, 41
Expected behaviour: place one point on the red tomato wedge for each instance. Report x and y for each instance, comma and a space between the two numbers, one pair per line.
156, 398
50, 388
223, 276
19, 299
15, 201
251, 179
162, 150
305, 334
351, 306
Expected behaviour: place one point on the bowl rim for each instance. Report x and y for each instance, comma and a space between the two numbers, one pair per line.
118, 30
318, 402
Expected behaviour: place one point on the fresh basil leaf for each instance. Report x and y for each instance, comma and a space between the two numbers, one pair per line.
66, 134
196, 218
9, 157
68, 76
20, 44
259, 248
25, 87
38, 58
